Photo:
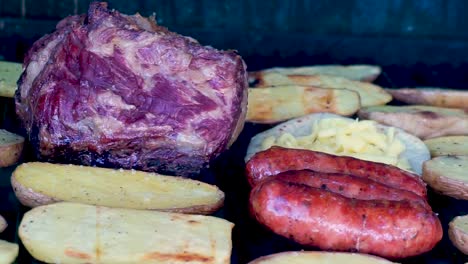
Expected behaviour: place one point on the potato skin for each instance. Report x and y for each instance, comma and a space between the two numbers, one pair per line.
30, 198
350, 186
457, 236
10, 154
277, 159
445, 185
424, 122
393, 229
3, 224
431, 96
318, 257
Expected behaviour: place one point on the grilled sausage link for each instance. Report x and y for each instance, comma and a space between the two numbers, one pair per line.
330, 221
350, 186
277, 159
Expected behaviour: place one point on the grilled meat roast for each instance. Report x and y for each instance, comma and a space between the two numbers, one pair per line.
110, 89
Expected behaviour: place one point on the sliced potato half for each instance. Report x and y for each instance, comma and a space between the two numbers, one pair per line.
431, 96
11, 147
8, 252
9, 75
276, 104
366, 73
415, 151
422, 121
39, 183
448, 175
370, 94
311, 257
458, 233
3, 224
450, 145
70, 233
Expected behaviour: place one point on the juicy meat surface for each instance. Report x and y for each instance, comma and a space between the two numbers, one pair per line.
278, 159
330, 221
110, 89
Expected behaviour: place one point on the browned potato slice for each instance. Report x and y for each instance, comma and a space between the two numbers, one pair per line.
276, 104
9, 75
44, 183
448, 175
70, 233
458, 233
431, 96
8, 252
311, 257
366, 73
370, 94
3, 224
451, 145
11, 146
422, 121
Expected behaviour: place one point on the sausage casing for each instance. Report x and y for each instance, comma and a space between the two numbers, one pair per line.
277, 159
350, 186
330, 221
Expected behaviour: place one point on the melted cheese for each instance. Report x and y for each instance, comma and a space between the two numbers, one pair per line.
359, 139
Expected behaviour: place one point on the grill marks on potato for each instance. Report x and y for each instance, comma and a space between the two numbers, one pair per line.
280, 103
84, 233
184, 257
422, 121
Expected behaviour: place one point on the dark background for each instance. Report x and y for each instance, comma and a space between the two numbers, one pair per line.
385, 32
417, 43
422, 42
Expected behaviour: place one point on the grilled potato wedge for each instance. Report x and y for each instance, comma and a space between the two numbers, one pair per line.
365, 73
276, 104
370, 94
458, 233
11, 147
70, 233
431, 96
447, 175
422, 121
451, 145
312, 257
8, 252
9, 75
3, 224
39, 183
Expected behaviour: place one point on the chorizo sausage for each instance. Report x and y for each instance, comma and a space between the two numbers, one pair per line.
350, 186
319, 218
277, 159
